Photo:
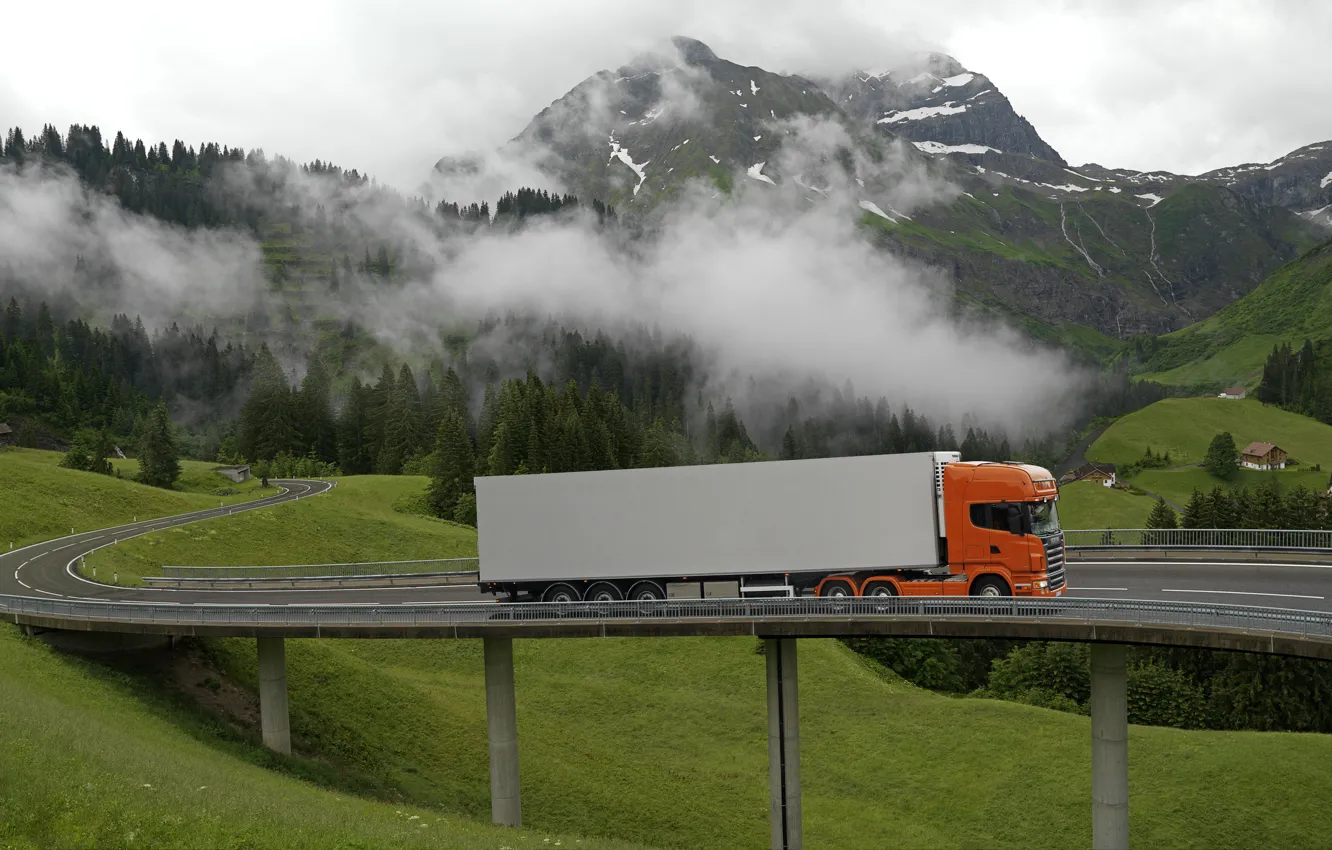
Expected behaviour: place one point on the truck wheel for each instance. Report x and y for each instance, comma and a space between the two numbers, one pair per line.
603, 591
990, 586
837, 589
880, 588
647, 591
560, 593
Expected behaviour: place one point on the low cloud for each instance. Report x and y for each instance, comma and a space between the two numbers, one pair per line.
60, 241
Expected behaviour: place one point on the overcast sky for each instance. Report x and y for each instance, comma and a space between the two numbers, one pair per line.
390, 86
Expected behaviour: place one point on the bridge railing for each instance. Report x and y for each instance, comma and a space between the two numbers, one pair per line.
1124, 611
368, 568
1199, 538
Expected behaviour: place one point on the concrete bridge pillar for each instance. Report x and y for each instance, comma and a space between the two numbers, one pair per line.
273, 715
502, 727
1109, 722
783, 744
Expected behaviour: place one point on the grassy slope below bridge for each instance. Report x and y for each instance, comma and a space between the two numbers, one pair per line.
664, 741
93, 758
355, 521
40, 500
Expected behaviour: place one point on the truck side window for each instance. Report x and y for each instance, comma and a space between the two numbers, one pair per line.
993, 517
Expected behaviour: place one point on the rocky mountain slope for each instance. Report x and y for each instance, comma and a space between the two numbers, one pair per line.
1084, 255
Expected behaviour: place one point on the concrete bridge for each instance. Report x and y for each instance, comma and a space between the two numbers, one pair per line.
45, 591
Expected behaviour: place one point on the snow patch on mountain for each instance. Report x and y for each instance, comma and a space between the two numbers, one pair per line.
940, 147
756, 171
959, 79
922, 77
1067, 187
1327, 178
870, 206
1155, 199
622, 155
922, 112
753, 89
713, 158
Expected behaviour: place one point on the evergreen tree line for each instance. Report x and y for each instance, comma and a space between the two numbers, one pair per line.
58, 377
1183, 688
1266, 506
1301, 380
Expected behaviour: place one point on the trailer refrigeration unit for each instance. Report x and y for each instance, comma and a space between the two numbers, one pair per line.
923, 524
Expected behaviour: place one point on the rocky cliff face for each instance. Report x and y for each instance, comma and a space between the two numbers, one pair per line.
941, 107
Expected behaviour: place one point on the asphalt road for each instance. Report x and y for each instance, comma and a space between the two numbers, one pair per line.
47, 569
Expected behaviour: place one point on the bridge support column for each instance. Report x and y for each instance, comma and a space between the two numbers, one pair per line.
502, 727
1109, 722
273, 716
783, 744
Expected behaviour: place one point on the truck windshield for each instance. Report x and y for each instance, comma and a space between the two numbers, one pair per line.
1044, 519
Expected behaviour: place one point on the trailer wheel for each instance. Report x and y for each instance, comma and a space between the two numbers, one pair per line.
603, 591
647, 591
990, 586
880, 588
560, 593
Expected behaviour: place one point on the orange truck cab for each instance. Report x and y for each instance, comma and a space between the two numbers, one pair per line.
999, 535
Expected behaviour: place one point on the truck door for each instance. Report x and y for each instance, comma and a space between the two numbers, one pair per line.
991, 537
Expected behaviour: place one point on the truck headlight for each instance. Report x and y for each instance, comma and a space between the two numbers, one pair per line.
1041, 584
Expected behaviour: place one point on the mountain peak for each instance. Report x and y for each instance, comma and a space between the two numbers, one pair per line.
693, 51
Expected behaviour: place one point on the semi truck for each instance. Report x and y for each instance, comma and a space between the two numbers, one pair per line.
918, 524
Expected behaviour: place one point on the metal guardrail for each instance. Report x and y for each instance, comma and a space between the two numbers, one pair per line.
1199, 538
1119, 611
369, 568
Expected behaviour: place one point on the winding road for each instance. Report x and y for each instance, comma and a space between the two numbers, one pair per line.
47, 569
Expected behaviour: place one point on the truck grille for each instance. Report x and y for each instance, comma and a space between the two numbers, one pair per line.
1054, 561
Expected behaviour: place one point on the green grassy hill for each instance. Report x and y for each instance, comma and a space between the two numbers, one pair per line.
1083, 504
1185, 426
95, 758
40, 500
1291, 305
363, 518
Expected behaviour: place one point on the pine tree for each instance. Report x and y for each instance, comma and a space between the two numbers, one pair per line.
159, 464
267, 420
318, 430
452, 470
1162, 516
354, 457
1194, 510
377, 411
1221, 454
789, 451
402, 424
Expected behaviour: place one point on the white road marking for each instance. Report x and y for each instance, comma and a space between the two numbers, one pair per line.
1098, 588
1128, 563
47, 592
1241, 593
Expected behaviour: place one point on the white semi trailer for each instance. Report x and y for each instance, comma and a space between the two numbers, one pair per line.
906, 524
